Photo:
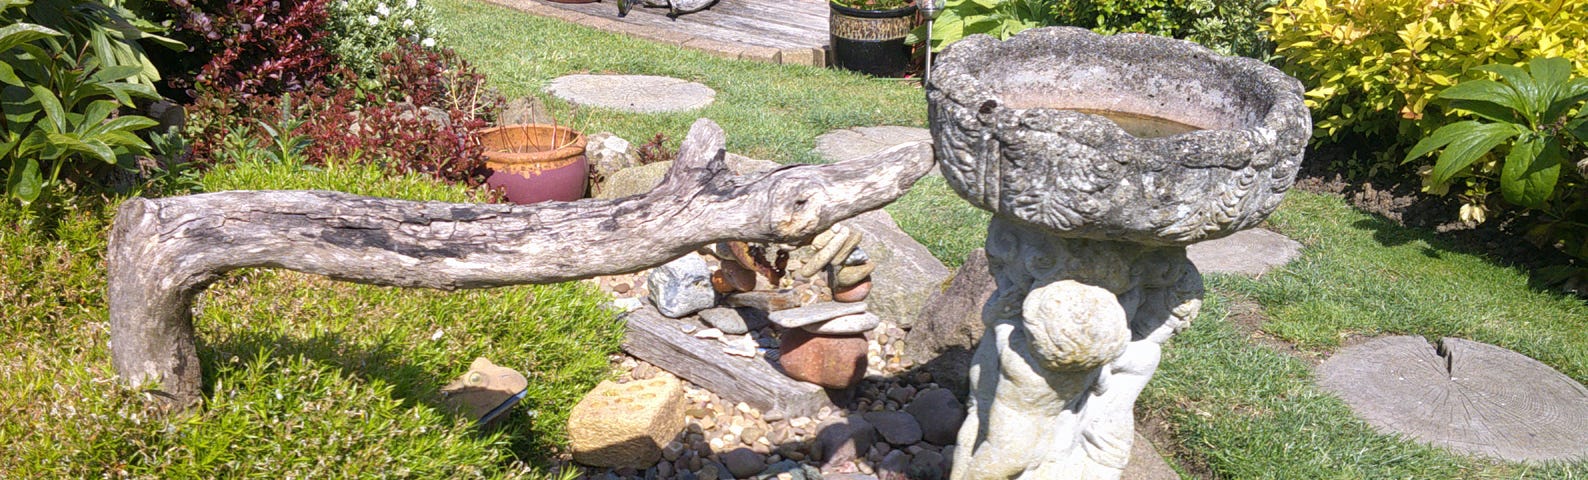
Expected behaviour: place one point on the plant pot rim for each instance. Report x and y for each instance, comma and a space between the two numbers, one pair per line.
494, 138
863, 13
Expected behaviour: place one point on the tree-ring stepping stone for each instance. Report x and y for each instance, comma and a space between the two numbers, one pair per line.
632, 93
1469, 397
1248, 252
851, 143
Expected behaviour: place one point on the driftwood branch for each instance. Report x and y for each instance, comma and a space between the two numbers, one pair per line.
163, 252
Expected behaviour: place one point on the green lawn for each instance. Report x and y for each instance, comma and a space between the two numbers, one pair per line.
322, 379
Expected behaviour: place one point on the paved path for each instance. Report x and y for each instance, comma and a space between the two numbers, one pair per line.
772, 31
1248, 252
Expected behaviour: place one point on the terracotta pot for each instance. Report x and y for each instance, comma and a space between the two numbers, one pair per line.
535, 163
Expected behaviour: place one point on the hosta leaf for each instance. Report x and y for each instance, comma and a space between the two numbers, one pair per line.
25, 181
20, 33
1526, 88
1530, 171
1484, 91
1441, 137
51, 106
1461, 152
116, 73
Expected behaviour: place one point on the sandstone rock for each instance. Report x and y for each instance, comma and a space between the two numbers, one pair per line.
835, 362
950, 327
898, 428
906, 273
682, 287
939, 414
814, 313
857, 323
842, 440
634, 181
626, 425
734, 278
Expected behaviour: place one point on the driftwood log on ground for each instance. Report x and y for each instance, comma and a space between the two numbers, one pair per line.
658, 340
164, 252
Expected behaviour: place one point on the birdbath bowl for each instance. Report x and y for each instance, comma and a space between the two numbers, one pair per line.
1101, 158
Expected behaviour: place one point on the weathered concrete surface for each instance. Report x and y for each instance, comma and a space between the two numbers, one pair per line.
1248, 252
632, 93
1468, 397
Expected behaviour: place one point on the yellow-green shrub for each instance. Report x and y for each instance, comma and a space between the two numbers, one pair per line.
1372, 66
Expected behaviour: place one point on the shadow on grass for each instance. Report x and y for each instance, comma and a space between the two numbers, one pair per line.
384, 361
1492, 246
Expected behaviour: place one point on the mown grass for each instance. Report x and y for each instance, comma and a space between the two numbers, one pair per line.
305, 377
312, 378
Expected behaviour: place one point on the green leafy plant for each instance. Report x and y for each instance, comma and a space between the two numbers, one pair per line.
999, 18
1371, 67
60, 105
1535, 116
1230, 27
362, 30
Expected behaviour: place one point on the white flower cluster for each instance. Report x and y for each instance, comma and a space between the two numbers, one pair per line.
364, 29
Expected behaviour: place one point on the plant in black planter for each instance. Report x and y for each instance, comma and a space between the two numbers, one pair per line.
868, 35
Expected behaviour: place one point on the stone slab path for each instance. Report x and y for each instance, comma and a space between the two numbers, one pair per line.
850, 143
772, 31
1248, 252
633, 93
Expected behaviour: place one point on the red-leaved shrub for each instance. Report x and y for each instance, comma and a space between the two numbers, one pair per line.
256, 47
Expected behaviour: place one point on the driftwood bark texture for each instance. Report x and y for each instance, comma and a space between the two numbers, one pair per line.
164, 252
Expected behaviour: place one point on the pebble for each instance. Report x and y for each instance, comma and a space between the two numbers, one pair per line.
927, 465
940, 415
856, 257
897, 462
765, 301
672, 450
709, 334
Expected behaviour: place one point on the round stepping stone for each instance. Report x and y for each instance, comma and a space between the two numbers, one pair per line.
632, 93
1248, 252
850, 143
1468, 397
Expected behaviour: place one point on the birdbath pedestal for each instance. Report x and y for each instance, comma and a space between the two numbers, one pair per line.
1101, 158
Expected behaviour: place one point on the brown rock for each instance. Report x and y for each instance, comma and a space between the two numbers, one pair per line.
766, 301
853, 293
742, 279
832, 361
847, 276
626, 425
949, 329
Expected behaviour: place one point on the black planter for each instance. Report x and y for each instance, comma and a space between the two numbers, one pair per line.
871, 41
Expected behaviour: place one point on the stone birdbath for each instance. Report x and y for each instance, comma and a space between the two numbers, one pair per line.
1101, 158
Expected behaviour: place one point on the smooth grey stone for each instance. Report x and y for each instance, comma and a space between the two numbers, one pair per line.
726, 319
816, 312
682, 287
743, 462
632, 93
856, 323
927, 465
1248, 252
843, 439
939, 413
896, 463
898, 428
